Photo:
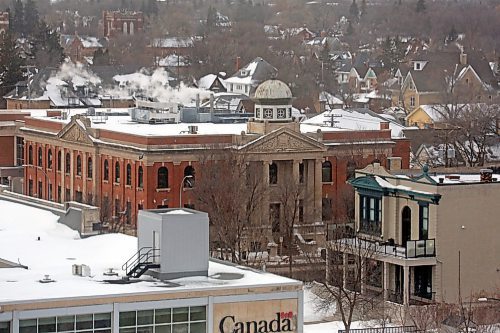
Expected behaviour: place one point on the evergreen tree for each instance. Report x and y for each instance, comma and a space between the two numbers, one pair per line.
325, 52
211, 19
18, 17
363, 7
47, 50
11, 63
353, 10
420, 6
31, 17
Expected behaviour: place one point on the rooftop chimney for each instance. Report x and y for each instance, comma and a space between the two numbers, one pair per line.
486, 175
238, 59
463, 58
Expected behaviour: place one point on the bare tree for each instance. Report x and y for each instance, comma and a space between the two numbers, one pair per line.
347, 275
230, 194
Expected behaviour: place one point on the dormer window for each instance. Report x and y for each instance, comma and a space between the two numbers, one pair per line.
243, 72
417, 66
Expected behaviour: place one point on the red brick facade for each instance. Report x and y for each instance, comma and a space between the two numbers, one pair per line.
117, 161
117, 23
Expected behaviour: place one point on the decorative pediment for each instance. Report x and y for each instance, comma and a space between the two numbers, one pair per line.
283, 140
75, 131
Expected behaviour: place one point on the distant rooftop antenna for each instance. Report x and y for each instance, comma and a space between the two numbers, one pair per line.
330, 119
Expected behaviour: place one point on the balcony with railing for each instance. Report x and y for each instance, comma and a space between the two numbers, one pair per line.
412, 249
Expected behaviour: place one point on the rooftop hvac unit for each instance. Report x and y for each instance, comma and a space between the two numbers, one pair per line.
192, 129
81, 270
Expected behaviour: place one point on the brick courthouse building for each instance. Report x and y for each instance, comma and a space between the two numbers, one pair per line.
130, 166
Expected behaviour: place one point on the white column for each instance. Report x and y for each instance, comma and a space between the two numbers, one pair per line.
344, 270
386, 280
362, 262
406, 287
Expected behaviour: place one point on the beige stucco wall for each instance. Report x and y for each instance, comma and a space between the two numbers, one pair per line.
476, 208
254, 311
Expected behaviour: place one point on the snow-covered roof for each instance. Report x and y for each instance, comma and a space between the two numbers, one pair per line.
59, 247
173, 60
173, 42
350, 119
205, 82
124, 124
254, 72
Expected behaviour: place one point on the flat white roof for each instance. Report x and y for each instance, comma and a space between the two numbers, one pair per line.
349, 121
60, 247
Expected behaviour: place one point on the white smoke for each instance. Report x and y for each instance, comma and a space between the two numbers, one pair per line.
155, 86
77, 74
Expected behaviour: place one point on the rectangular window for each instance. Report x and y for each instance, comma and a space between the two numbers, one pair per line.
181, 320
370, 209
424, 221
40, 189
30, 187
88, 323
4, 326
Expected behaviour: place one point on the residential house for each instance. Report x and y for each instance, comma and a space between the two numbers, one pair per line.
246, 79
80, 48
434, 76
212, 82
161, 47
431, 237
363, 73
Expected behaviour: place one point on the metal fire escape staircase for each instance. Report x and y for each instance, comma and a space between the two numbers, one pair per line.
146, 258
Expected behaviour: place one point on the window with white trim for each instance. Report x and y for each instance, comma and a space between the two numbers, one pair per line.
281, 113
268, 113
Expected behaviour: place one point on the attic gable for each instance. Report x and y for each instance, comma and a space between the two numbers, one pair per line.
283, 140
76, 131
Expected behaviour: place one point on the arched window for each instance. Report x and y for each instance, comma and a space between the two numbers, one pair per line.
49, 159
125, 28
140, 177
79, 165
106, 170
131, 28
89, 167
30, 155
68, 164
162, 177
129, 174
273, 173
326, 172
59, 160
40, 154
189, 176
117, 172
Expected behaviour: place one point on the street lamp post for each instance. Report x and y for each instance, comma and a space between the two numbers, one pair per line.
47, 180
182, 188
